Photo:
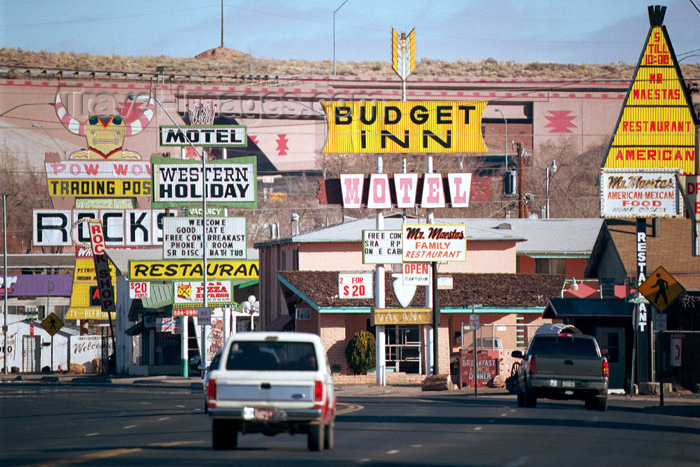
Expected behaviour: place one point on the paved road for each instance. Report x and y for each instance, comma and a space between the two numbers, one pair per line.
132, 424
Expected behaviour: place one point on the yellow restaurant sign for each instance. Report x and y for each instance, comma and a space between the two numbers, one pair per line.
158, 270
656, 128
389, 316
404, 127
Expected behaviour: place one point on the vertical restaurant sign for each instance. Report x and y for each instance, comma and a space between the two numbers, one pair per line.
404, 127
656, 127
229, 182
632, 193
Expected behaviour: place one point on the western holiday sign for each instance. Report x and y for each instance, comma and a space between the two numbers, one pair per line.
229, 182
656, 128
404, 127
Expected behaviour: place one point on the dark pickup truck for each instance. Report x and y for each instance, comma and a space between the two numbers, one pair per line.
563, 366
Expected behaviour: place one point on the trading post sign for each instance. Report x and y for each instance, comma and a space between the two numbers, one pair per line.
404, 127
637, 193
229, 182
94, 178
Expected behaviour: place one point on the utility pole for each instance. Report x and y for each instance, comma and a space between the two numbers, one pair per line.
522, 206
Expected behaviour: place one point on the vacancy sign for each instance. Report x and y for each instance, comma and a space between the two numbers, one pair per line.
434, 242
356, 285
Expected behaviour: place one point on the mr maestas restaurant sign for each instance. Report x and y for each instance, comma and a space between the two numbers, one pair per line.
425, 243
640, 193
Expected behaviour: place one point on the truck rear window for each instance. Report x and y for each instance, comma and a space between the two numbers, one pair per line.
272, 356
564, 345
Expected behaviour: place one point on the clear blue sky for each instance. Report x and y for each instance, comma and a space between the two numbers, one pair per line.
560, 31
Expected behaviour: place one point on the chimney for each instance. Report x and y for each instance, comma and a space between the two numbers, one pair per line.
273, 231
295, 224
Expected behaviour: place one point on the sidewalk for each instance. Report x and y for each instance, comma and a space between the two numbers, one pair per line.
687, 405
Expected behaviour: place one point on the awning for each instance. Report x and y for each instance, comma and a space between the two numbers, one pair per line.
588, 308
161, 296
137, 328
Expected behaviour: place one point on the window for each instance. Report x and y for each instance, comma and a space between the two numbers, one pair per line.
550, 266
272, 356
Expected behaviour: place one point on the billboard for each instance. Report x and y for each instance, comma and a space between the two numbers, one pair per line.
656, 127
212, 136
229, 182
424, 243
633, 193
188, 269
373, 127
226, 237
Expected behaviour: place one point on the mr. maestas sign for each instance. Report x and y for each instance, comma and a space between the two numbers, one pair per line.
404, 127
426, 243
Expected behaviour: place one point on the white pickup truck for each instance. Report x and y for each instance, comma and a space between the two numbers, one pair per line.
272, 383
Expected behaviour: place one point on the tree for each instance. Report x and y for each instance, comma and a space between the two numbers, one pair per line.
361, 352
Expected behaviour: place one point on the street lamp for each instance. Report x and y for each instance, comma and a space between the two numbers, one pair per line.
336, 10
549, 171
506, 122
36, 125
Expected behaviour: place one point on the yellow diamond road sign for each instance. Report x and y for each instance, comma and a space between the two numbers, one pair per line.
661, 289
52, 324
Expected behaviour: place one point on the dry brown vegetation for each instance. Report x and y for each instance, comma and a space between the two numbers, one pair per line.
248, 65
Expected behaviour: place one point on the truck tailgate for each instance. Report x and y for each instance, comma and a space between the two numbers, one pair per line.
291, 387
573, 368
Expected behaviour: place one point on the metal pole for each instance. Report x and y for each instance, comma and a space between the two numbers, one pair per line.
203, 363
380, 300
476, 361
506, 123
5, 328
336, 10
546, 179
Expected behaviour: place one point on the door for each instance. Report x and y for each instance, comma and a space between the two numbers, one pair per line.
612, 346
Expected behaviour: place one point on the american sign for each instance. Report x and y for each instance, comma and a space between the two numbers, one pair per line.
637, 193
130, 227
226, 237
405, 189
434, 242
229, 182
657, 123
158, 270
404, 127
204, 136
381, 247
99, 178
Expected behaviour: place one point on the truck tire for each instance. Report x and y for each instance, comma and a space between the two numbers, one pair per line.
597, 402
529, 398
316, 437
224, 435
329, 438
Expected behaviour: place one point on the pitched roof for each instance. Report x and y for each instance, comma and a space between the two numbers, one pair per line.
571, 237
671, 248
489, 290
586, 307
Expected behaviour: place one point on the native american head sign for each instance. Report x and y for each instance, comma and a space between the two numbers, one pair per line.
105, 133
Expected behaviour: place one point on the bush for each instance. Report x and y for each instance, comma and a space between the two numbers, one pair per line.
361, 352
